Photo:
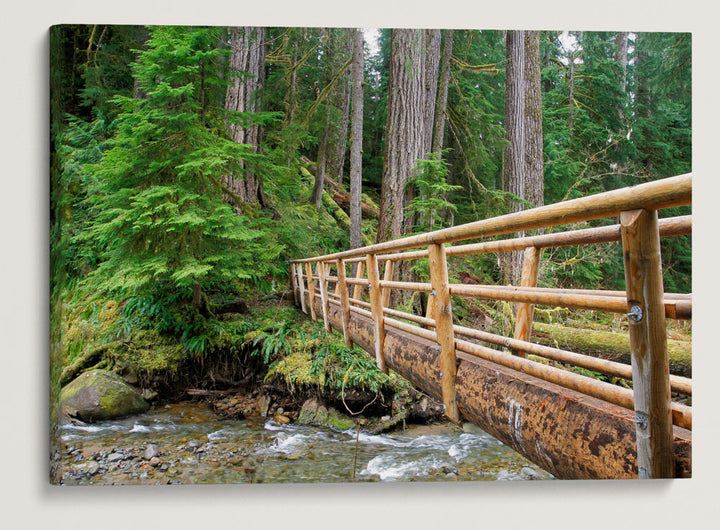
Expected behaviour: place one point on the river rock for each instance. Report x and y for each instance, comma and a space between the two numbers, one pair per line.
264, 402
315, 413
100, 395
151, 451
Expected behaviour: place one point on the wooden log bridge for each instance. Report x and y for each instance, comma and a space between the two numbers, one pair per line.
525, 394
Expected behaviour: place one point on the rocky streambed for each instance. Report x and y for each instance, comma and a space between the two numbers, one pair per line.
189, 443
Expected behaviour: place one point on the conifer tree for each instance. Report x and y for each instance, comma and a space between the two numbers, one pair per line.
157, 193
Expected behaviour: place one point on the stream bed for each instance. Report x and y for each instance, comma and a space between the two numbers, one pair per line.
188, 443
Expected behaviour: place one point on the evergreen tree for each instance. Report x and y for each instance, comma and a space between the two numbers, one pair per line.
156, 195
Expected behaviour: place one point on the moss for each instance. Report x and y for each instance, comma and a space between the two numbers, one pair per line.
608, 345
149, 352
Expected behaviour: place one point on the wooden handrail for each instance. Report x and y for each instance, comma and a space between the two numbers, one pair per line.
656, 195
639, 231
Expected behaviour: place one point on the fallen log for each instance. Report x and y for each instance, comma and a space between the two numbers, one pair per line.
608, 345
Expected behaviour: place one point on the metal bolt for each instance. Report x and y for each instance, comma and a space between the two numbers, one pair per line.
507, 343
641, 420
636, 313
441, 375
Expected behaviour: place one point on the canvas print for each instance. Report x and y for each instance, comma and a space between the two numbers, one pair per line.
287, 254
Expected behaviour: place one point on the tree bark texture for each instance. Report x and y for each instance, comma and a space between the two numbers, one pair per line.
534, 184
514, 156
523, 157
442, 94
356, 136
247, 62
621, 56
404, 135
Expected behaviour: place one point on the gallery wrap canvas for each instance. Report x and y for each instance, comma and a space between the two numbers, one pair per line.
350, 255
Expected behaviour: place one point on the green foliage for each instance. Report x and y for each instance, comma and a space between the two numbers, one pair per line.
156, 195
429, 177
321, 360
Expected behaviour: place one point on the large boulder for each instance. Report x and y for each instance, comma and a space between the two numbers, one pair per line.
315, 413
100, 395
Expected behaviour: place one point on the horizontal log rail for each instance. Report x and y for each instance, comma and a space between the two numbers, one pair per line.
366, 295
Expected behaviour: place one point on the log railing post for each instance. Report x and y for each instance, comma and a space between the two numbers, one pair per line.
293, 283
357, 291
524, 320
322, 279
444, 328
648, 343
387, 276
430, 309
311, 289
377, 310
301, 284
344, 301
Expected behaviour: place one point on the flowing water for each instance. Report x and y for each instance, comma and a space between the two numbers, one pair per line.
195, 446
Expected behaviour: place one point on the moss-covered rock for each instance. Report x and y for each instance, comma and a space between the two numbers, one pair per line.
100, 395
315, 413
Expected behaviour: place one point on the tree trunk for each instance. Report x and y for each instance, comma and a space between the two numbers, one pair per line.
621, 56
432, 66
514, 166
247, 57
534, 183
321, 166
404, 130
523, 162
571, 114
356, 137
442, 94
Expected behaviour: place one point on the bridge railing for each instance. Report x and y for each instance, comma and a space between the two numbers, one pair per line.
644, 301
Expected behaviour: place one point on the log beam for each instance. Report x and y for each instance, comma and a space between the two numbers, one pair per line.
648, 343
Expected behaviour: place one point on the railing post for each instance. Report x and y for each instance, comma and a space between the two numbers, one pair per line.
387, 276
344, 301
430, 309
358, 274
648, 343
293, 283
524, 320
311, 289
444, 328
301, 286
323, 292
376, 309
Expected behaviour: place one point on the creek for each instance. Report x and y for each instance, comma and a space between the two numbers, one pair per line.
193, 445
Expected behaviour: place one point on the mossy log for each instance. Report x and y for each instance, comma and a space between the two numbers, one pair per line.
340, 216
608, 345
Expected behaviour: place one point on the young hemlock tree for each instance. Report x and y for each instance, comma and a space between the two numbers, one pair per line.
156, 195
430, 205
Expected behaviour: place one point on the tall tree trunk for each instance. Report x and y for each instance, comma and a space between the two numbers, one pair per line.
404, 137
431, 66
321, 168
247, 68
442, 94
534, 183
356, 138
621, 56
571, 114
523, 158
